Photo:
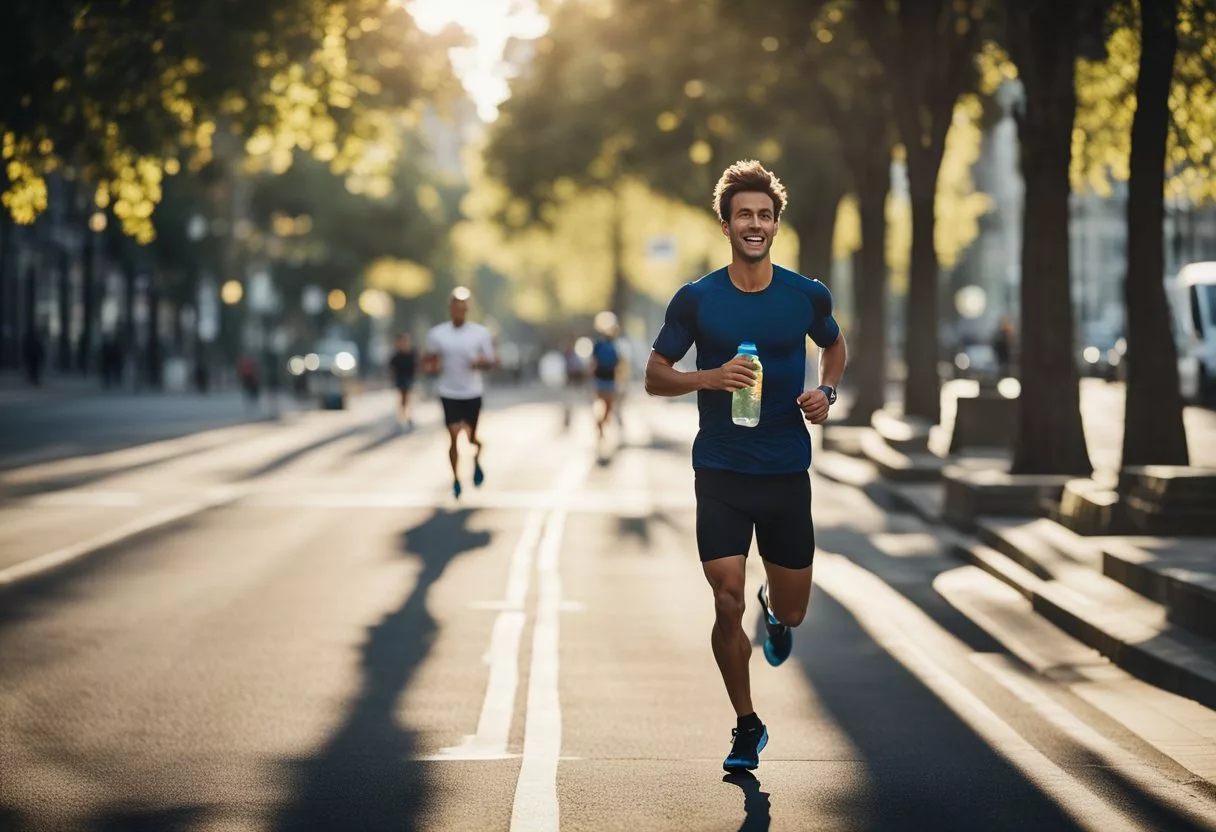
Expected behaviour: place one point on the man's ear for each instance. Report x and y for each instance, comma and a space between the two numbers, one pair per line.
725, 229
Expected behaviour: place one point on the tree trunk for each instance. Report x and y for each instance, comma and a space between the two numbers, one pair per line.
1153, 432
872, 176
84, 349
154, 342
922, 389
815, 225
1049, 438
63, 352
8, 294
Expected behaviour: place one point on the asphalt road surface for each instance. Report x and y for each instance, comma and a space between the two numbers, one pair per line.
296, 627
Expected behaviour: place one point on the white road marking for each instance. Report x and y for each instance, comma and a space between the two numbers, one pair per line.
893, 621
629, 503
498, 707
67, 554
1026, 687
82, 498
535, 808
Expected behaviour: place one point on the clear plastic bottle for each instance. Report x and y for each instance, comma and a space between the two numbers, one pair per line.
745, 402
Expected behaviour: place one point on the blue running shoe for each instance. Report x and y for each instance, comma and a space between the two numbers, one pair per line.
746, 745
780, 641
456, 489
479, 476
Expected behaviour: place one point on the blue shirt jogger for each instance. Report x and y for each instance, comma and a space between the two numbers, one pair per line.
716, 316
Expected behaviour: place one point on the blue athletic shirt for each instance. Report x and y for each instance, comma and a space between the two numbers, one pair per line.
717, 316
606, 358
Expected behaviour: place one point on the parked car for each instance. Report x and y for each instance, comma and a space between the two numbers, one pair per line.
328, 373
1193, 298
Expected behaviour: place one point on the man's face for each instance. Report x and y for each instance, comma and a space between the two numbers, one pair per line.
403, 342
752, 226
459, 310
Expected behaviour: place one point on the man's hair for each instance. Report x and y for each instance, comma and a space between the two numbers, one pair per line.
747, 175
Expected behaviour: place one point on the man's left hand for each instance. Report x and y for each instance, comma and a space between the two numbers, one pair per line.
814, 404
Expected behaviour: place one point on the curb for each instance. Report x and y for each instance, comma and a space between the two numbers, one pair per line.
1158, 659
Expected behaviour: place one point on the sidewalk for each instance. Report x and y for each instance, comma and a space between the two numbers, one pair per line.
1146, 603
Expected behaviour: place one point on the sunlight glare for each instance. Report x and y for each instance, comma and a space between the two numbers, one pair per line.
490, 24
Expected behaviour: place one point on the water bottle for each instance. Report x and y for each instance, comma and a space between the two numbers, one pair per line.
745, 402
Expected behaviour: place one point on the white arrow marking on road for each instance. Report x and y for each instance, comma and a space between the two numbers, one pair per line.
535, 808
894, 622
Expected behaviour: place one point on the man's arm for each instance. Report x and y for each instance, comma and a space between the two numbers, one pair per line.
488, 357
832, 361
663, 379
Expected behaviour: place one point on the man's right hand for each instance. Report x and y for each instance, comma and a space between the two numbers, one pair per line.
734, 375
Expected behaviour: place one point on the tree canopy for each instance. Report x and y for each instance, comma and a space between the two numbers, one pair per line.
121, 94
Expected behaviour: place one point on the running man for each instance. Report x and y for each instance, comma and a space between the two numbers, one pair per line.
458, 351
751, 478
605, 363
403, 364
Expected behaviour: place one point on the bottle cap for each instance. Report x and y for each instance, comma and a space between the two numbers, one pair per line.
748, 348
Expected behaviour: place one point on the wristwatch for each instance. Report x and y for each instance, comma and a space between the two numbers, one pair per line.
830, 392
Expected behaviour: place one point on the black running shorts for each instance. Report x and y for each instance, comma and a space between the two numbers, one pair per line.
456, 411
778, 507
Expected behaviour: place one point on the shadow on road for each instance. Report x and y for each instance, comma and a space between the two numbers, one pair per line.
283, 460
639, 527
175, 819
365, 776
927, 769
756, 807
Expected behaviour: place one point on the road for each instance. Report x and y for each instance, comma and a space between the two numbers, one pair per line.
297, 628
37, 428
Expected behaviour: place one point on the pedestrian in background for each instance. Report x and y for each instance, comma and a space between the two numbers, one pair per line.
403, 366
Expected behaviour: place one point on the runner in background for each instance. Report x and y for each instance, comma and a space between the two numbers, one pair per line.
402, 366
605, 367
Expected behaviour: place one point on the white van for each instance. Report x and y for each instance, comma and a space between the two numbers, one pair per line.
1193, 299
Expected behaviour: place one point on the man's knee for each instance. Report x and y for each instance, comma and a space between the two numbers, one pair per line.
728, 605
791, 616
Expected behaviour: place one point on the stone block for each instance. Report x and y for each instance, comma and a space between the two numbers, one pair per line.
983, 421
976, 493
905, 434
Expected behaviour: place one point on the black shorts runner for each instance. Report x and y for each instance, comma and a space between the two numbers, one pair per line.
777, 506
461, 410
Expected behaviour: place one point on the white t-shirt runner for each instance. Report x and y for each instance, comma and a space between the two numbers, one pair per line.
458, 347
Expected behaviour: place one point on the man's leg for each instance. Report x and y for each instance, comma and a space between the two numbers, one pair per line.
473, 419
785, 537
788, 592
724, 535
454, 455
732, 647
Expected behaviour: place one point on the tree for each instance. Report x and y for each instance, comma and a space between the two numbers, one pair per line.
926, 49
1045, 45
651, 92
123, 94
1153, 431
